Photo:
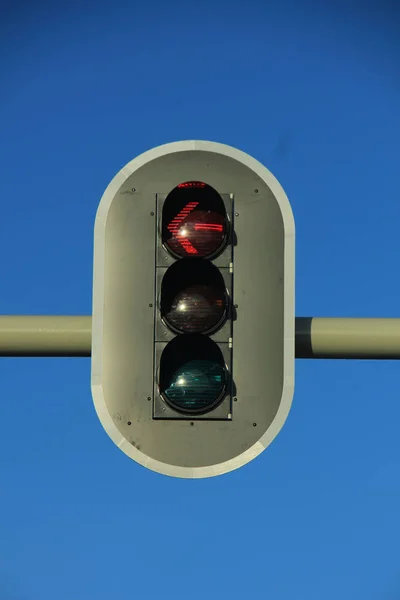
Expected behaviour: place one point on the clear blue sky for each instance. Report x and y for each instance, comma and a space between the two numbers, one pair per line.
313, 93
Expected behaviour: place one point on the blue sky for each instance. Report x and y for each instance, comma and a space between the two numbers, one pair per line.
314, 94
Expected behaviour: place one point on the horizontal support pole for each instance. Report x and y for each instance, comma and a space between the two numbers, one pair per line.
38, 335
360, 338
316, 337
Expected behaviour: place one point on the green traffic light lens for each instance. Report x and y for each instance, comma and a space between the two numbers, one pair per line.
196, 386
193, 376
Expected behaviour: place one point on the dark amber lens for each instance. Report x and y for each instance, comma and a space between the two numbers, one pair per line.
194, 221
193, 297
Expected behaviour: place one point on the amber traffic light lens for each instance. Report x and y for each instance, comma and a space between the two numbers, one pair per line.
193, 297
194, 221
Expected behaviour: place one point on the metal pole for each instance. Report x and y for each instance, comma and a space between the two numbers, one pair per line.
347, 338
45, 335
315, 337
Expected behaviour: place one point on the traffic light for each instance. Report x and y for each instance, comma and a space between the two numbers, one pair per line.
193, 309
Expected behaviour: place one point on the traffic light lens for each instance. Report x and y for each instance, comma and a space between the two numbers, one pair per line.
193, 375
195, 386
194, 221
193, 297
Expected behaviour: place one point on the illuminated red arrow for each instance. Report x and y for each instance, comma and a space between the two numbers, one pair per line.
208, 227
176, 222
175, 227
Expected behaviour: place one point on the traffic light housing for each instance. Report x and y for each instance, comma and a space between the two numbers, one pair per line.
193, 309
